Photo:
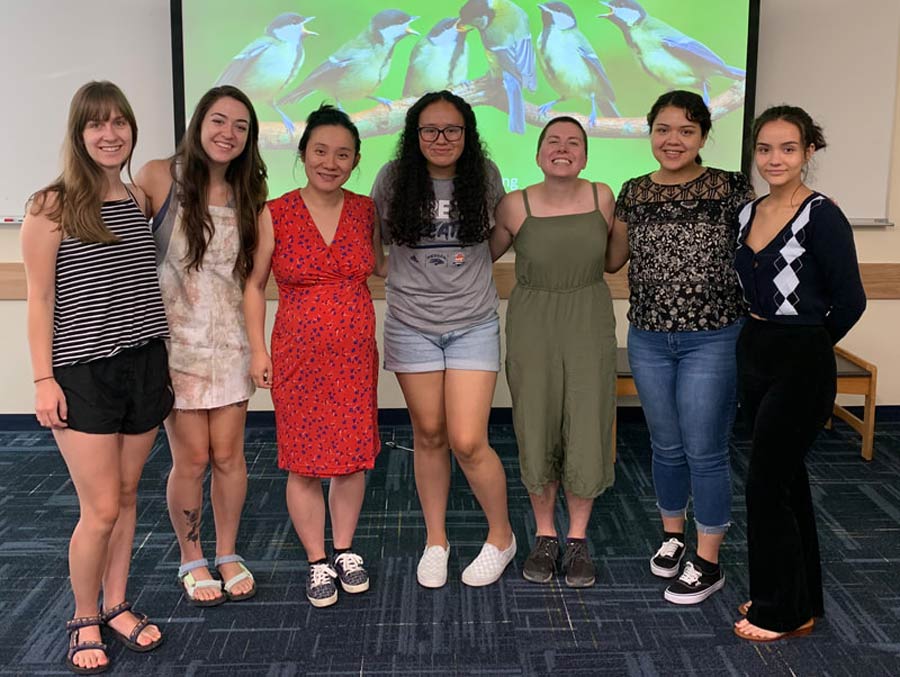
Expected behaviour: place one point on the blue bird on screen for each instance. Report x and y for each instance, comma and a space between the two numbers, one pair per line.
439, 61
570, 63
269, 63
671, 57
506, 37
359, 66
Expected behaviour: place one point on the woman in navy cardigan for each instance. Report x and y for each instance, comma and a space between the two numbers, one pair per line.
797, 265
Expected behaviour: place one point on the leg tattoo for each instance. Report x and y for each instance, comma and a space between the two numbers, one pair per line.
193, 520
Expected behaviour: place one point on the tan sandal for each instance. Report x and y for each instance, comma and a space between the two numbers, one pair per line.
802, 631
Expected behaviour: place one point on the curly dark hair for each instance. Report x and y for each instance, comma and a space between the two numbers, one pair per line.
246, 174
412, 202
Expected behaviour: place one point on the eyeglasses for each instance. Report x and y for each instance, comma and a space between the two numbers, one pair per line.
450, 132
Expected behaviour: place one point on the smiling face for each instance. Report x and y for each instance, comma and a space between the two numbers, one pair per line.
441, 155
676, 141
329, 157
224, 130
780, 155
109, 142
562, 152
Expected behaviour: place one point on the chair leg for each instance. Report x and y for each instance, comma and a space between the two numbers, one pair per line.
868, 433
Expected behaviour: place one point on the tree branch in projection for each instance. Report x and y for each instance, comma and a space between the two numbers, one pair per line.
486, 91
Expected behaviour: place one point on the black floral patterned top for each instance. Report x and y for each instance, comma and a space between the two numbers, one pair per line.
682, 239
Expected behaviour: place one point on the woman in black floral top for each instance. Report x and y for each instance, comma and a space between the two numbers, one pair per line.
678, 224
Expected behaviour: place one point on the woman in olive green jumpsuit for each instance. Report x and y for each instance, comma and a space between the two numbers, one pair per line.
561, 345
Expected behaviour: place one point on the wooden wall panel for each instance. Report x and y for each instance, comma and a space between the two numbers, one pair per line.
882, 281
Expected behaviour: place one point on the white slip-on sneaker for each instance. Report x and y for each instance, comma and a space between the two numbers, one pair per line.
488, 567
432, 569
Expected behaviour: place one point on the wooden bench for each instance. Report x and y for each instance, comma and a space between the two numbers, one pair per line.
855, 376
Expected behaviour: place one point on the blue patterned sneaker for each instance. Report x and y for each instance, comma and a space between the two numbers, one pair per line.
320, 588
350, 572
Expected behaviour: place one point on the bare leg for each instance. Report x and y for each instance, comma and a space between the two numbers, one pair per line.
345, 499
306, 506
673, 525
228, 486
424, 395
133, 455
98, 501
188, 433
708, 546
579, 515
544, 507
468, 396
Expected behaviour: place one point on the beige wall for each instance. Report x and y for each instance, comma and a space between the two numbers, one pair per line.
874, 337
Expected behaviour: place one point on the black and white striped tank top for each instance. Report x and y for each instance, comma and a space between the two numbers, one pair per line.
107, 295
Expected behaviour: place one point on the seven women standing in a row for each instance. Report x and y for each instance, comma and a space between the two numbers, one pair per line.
217, 242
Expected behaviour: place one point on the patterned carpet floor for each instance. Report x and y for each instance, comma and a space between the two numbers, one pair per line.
622, 626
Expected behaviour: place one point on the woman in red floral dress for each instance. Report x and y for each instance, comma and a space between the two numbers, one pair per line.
322, 243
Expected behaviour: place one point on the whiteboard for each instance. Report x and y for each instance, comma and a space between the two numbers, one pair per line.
838, 60
50, 49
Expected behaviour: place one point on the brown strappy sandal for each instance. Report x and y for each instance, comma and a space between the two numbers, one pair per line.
131, 640
76, 645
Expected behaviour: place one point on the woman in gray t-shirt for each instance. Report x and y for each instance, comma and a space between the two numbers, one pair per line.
436, 201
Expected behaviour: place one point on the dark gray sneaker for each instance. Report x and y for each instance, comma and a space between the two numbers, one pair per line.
320, 588
540, 565
666, 563
350, 572
577, 563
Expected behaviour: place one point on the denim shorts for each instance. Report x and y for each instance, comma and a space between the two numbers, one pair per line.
408, 350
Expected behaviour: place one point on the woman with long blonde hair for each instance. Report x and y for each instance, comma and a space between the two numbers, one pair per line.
96, 325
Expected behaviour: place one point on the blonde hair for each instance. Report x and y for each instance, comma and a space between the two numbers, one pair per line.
79, 190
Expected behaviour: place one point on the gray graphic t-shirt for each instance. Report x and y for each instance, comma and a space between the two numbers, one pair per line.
439, 285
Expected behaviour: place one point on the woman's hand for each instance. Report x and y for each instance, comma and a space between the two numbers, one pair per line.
50, 404
261, 369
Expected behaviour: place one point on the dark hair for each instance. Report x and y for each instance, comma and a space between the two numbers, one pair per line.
412, 201
810, 133
693, 106
563, 118
246, 174
326, 114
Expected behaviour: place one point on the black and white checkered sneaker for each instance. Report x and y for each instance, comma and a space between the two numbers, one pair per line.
350, 572
320, 588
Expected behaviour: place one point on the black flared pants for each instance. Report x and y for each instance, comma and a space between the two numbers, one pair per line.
786, 376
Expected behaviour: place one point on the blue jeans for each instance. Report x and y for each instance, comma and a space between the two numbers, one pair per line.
687, 384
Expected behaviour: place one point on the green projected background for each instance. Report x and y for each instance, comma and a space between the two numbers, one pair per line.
618, 148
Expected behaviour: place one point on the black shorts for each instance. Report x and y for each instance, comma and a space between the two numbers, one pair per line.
129, 393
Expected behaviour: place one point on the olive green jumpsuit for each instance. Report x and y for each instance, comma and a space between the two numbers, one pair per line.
561, 353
